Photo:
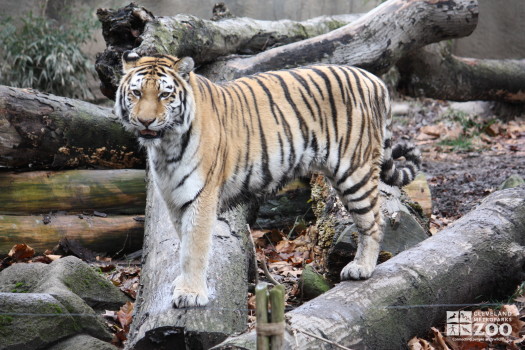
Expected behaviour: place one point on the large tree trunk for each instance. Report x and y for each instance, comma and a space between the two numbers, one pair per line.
479, 258
434, 72
203, 40
375, 41
157, 324
75, 191
42, 131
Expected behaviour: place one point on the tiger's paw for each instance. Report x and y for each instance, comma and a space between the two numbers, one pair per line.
186, 296
357, 271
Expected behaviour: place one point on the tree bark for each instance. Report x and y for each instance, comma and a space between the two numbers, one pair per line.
75, 191
435, 73
112, 234
478, 258
42, 131
374, 42
156, 323
203, 40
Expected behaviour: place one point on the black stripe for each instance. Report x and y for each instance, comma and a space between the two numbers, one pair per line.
357, 186
364, 210
333, 108
267, 176
185, 205
185, 177
184, 144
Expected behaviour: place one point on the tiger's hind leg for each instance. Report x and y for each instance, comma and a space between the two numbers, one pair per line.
360, 194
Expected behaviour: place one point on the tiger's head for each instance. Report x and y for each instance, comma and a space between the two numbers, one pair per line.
154, 96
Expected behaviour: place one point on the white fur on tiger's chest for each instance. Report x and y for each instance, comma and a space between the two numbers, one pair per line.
179, 182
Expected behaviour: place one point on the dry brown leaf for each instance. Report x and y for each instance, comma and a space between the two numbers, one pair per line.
434, 131
21, 251
515, 322
439, 339
251, 301
419, 344
259, 233
125, 315
53, 257
493, 129
285, 246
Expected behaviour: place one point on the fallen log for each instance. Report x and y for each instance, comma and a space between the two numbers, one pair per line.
435, 73
156, 323
75, 191
187, 35
112, 234
43, 131
374, 42
478, 258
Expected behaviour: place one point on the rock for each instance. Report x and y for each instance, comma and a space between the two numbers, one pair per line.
401, 231
69, 287
82, 342
33, 320
400, 108
312, 284
514, 180
480, 108
419, 191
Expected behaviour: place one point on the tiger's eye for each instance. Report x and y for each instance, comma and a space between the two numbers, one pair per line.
136, 93
164, 94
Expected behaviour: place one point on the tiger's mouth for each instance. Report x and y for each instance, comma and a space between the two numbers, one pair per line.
150, 134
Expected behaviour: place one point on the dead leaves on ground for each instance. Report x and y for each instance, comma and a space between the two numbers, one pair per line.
22, 253
119, 322
286, 257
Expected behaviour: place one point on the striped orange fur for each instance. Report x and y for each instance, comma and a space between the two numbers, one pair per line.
211, 145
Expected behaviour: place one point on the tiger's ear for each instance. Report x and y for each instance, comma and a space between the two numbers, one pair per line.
129, 60
184, 67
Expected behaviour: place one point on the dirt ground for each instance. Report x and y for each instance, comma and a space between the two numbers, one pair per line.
468, 150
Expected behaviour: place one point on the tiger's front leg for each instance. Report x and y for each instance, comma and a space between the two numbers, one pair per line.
195, 226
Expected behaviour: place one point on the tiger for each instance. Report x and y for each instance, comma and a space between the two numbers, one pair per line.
210, 145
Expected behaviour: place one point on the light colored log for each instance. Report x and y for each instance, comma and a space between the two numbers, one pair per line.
156, 322
375, 42
434, 72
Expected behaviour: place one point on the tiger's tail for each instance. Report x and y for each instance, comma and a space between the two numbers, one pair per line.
399, 176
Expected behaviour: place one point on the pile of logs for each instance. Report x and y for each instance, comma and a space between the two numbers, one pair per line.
40, 204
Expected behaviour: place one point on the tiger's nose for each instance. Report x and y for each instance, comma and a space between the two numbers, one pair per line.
146, 122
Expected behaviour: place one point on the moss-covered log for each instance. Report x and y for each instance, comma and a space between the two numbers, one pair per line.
203, 40
42, 131
104, 235
434, 72
477, 259
75, 191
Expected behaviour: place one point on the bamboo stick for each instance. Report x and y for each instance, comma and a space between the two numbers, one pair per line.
261, 313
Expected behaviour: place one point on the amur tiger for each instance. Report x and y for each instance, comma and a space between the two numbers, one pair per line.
211, 144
